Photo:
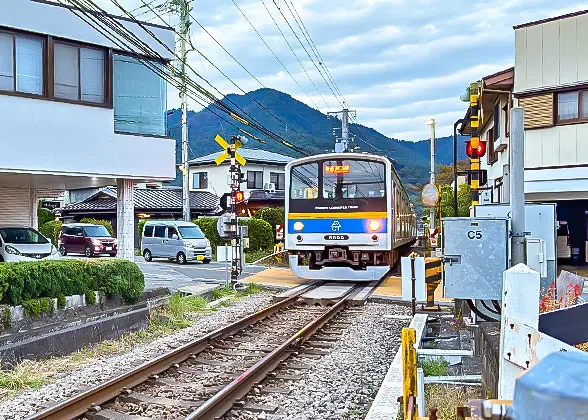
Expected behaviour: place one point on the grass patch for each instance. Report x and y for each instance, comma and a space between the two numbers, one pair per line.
434, 367
446, 398
25, 375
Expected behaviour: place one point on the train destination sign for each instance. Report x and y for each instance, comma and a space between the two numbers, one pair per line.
337, 169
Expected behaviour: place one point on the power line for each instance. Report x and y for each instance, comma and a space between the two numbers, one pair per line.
274, 54
293, 52
304, 48
95, 13
313, 46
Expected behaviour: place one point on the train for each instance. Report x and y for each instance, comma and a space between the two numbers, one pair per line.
348, 216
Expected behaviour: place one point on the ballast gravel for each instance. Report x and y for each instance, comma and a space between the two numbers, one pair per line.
343, 383
72, 383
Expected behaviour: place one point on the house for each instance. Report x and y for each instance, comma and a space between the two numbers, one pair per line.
550, 81
150, 203
264, 174
79, 110
495, 99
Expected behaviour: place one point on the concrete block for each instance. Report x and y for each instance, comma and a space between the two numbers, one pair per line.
74, 301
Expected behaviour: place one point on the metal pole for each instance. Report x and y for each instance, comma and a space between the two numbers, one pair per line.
455, 152
517, 184
433, 177
345, 128
185, 33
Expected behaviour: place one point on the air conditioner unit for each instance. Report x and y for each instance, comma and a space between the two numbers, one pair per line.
269, 186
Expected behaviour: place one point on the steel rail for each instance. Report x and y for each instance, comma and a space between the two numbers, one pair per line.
99, 394
225, 399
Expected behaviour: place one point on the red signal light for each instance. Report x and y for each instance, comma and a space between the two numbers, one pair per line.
480, 150
238, 197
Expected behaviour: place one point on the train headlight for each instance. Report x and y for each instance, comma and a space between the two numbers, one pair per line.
374, 225
298, 226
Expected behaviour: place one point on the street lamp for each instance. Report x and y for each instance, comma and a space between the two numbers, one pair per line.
431, 123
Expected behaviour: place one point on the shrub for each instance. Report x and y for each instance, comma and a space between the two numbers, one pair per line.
90, 298
44, 215
32, 308
6, 317
104, 223
23, 281
50, 230
61, 302
261, 236
273, 215
140, 227
47, 305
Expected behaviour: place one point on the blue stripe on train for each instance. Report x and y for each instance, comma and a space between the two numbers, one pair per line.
336, 225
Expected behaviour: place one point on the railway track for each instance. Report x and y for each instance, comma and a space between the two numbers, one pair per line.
205, 378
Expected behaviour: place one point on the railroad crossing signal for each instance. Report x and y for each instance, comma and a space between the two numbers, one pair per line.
227, 153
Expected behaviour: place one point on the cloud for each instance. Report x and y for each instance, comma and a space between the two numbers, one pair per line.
397, 62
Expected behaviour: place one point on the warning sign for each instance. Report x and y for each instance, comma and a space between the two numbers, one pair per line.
279, 232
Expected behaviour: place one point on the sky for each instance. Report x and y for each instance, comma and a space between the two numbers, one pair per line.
397, 63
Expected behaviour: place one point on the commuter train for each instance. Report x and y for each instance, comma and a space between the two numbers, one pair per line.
348, 216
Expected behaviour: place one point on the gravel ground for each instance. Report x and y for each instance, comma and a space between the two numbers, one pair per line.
103, 369
343, 383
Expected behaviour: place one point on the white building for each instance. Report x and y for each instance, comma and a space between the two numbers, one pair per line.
264, 171
78, 112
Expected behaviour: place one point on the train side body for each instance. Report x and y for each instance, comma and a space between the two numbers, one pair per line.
347, 216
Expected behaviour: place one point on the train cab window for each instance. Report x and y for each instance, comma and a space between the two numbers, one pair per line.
304, 182
353, 179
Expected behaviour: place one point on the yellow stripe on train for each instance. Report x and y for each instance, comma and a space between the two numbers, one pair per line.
352, 215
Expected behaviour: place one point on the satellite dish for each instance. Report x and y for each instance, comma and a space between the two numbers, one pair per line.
430, 195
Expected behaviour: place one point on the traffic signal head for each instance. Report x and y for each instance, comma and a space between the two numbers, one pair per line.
480, 150
238, 197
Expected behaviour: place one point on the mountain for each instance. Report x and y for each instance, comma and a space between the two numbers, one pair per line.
306, 128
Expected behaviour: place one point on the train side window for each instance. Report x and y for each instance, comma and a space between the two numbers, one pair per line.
304, 181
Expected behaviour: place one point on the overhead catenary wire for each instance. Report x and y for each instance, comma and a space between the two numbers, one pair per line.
294, 52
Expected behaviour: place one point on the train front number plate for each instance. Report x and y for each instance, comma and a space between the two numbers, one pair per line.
336, 237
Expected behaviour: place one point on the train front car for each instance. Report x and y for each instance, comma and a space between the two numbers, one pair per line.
339, 216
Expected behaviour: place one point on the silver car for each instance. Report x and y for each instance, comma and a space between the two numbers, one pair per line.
175, 240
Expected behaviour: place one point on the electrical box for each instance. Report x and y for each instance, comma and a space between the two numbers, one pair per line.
475, 253
536, 255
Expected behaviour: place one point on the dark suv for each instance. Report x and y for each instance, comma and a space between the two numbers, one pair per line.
87, 239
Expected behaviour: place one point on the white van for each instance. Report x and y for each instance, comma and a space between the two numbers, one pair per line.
175, 240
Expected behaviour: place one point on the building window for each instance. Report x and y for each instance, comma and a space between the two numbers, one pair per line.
491, 154
78, 73
200, 181
255, 180
21, 63
139, 97
567, 106
496, 122
278, 179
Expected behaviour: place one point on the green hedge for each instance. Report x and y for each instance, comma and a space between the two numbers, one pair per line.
50, 230
24, 281
140, 227
44, 215
261, 236
273, 215
104, 223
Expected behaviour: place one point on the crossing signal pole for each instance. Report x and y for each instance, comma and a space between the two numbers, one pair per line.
237, 197
474, 144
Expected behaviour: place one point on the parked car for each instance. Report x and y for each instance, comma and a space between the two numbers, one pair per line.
20, 243
564, 250
177, 240
87, 239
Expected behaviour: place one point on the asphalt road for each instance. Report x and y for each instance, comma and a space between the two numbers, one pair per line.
163, 273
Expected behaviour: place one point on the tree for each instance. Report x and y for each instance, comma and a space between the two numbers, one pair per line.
464, 201
445, 172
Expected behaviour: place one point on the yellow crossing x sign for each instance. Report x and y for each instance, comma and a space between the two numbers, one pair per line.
226, 146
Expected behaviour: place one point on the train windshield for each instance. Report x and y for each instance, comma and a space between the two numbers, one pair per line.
353, 179
304, 183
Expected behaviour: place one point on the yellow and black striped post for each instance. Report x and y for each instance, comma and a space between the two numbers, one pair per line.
475, 142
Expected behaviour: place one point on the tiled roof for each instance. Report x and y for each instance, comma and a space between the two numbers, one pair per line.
253, 155
150, 199
261, 195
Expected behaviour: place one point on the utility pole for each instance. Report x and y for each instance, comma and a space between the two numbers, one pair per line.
184, 35
517, 184
431, 123
342, 144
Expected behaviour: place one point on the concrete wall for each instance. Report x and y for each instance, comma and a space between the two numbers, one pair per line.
551, 54
53, 19
218, 176
73, 139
